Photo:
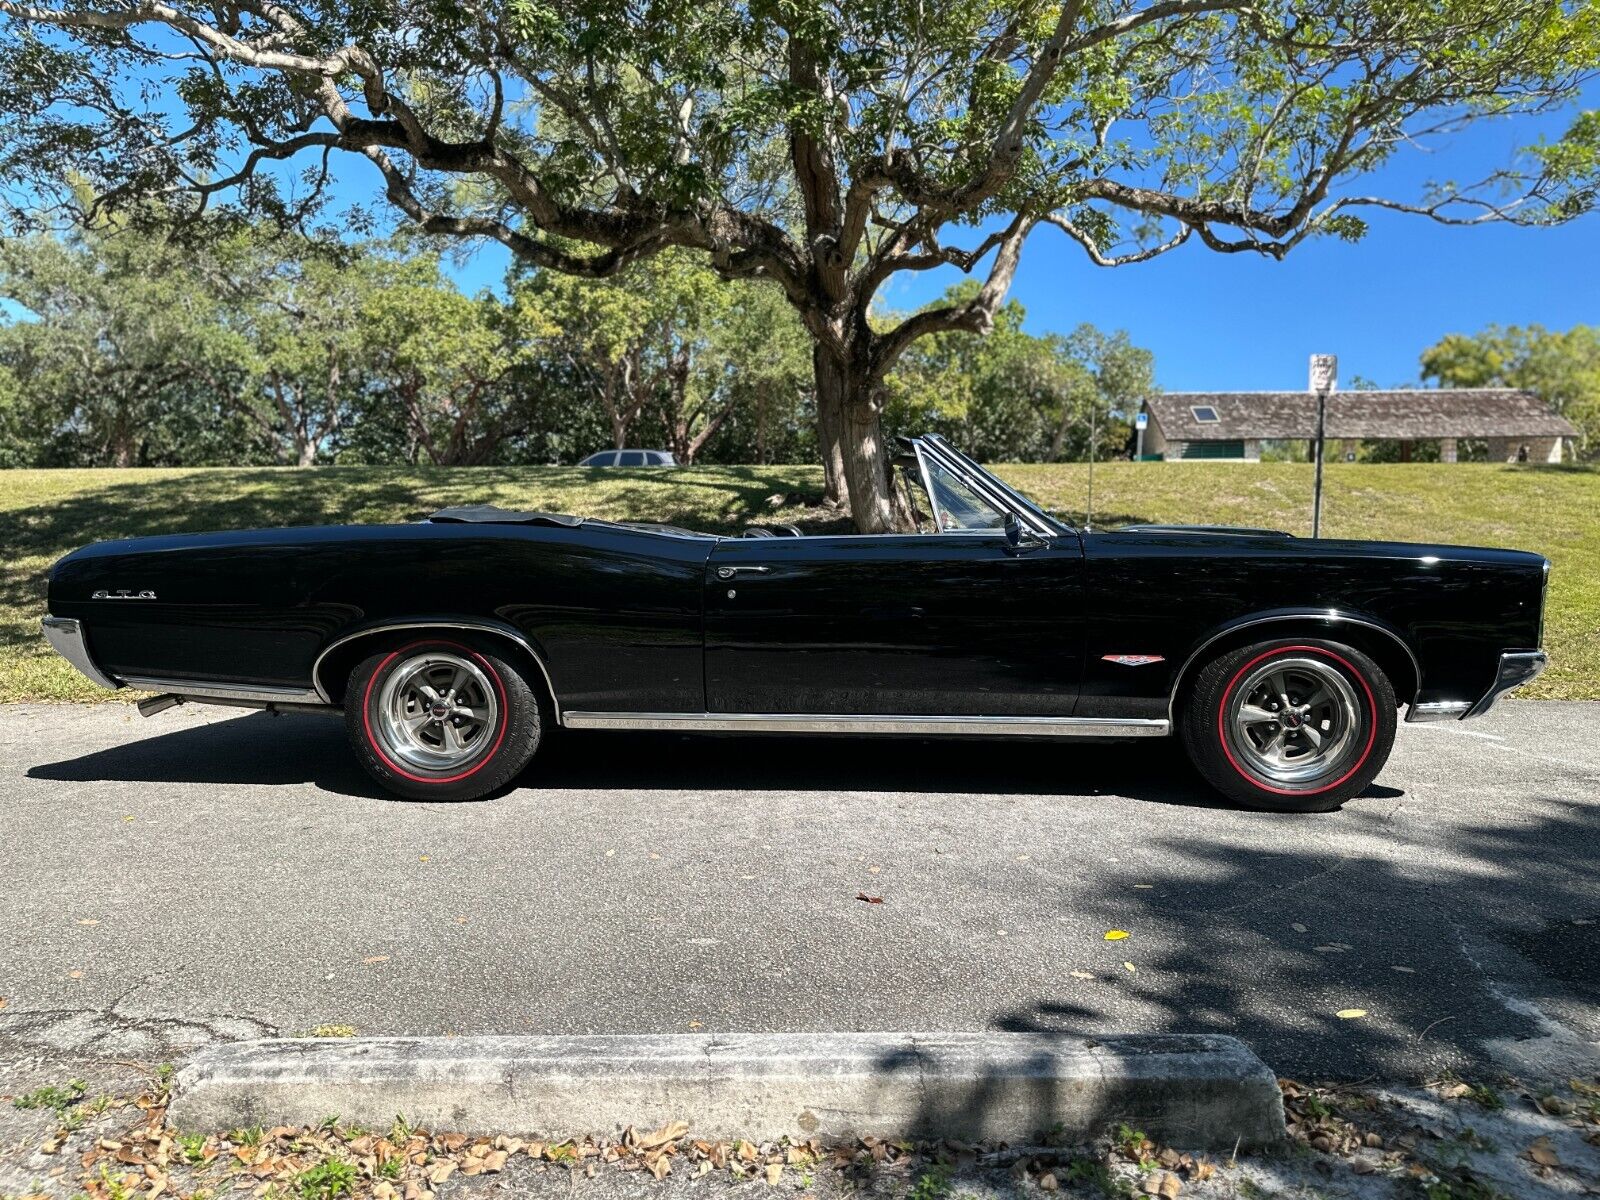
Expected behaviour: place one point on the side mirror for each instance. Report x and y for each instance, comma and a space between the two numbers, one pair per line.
1019, 537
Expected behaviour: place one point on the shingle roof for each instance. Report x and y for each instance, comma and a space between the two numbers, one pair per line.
1419, 413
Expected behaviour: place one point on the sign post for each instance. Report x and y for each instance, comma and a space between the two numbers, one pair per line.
1324, 378
1139, 424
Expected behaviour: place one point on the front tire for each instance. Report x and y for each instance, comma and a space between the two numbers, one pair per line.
441, 719
1297, 725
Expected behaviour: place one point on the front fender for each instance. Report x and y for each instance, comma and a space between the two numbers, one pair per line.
1390, 646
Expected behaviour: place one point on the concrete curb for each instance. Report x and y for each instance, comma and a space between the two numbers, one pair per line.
1191, 1091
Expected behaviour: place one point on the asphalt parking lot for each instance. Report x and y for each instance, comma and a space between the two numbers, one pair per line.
206, 874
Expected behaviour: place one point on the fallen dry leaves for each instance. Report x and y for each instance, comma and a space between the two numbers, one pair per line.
1315, 1117
150, 1161
1541, 1153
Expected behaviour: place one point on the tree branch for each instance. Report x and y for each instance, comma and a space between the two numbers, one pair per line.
975, 315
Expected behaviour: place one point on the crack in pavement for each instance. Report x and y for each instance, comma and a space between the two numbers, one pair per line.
99, 1030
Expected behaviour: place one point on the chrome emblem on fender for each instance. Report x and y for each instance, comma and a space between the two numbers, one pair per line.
123, 594
1133, 660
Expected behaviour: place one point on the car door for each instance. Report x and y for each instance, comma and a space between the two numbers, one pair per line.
954, 624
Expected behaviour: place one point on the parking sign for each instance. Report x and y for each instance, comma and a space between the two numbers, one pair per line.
1324, 372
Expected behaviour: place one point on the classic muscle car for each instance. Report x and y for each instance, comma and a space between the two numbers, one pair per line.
453, 646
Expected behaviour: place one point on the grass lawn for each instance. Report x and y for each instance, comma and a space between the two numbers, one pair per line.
1552, 510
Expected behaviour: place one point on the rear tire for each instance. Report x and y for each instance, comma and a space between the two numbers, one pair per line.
1297, 725
441, 718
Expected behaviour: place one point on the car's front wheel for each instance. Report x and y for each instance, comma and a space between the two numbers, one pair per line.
441, 719
1290, 726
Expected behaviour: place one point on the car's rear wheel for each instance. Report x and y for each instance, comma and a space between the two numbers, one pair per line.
1290, 726
441, 719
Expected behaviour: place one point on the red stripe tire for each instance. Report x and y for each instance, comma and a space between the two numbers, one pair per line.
442, 718
1296, 725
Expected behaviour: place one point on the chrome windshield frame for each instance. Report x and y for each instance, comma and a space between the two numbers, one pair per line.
997, 492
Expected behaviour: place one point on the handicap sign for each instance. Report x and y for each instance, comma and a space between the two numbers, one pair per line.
1141, 421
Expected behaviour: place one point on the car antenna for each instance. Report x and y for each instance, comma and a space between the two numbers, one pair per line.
1088, 509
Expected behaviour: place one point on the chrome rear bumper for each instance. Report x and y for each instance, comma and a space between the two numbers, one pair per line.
65, 635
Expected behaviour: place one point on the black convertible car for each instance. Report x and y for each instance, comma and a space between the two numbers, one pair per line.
452, 646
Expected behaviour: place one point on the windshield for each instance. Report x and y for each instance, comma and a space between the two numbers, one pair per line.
957, 507
1018, 500
944, 491
941, 501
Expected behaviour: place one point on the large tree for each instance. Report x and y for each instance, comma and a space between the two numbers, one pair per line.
823, 146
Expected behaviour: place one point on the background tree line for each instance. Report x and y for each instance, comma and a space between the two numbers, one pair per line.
128, 347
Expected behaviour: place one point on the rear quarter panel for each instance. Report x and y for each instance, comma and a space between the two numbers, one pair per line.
615, 613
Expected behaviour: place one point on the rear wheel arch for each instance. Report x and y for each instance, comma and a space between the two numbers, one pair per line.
331, 671
1378, 642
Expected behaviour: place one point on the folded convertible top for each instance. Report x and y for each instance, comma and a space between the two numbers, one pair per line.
493, 514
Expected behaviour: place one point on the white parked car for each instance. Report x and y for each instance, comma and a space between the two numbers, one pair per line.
630, 458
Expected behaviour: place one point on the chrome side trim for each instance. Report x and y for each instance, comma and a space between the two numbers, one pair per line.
505, 631
1331, 615
1517, 667
65, 636
1437, 710
1048, 727
201, 689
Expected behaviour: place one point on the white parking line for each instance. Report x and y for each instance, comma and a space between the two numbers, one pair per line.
1500, 743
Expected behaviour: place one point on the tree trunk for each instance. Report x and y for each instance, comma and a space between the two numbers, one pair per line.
829, 376
858, 444
1058, 440
761, 426
120, 441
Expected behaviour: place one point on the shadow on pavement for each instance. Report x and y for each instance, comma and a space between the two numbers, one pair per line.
1442, 953
266, 750
256, 749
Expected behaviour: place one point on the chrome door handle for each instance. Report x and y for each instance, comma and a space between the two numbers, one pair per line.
730, 572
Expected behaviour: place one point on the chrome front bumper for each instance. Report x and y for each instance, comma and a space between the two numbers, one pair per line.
1517, 667
66, 637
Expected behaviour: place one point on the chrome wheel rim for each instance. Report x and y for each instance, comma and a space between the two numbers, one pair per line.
437, 711
1293, 720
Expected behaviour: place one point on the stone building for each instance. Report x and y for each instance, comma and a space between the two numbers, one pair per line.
1516, 425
